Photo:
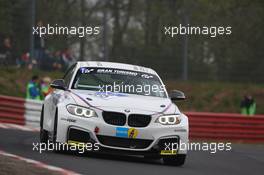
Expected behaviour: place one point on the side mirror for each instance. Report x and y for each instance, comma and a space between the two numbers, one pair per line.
58, 84
176, 95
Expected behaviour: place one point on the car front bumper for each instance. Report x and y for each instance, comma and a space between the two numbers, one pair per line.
149, 139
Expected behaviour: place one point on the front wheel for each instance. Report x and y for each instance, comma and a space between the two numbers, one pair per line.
43, 133
58, 148
177, 160
43, 136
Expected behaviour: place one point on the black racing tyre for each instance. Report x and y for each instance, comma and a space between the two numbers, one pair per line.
177, 160
152, 156
41, 117
58, 148
43, 136
54, 138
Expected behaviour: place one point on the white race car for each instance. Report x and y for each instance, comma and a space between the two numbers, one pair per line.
120, 107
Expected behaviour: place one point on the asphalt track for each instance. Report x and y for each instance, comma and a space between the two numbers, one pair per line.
243, 159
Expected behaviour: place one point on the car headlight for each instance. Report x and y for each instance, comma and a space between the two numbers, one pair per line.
169, 119
81, 111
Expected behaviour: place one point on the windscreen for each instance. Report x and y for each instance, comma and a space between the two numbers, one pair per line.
109, 80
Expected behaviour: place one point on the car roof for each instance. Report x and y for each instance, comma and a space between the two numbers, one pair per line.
115, 66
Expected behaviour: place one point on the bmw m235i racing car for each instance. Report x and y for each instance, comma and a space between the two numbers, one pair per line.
120, 107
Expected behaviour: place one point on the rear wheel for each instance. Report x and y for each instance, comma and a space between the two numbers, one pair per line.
43, 133
177, 160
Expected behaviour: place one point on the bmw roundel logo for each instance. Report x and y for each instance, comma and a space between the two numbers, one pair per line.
127, 110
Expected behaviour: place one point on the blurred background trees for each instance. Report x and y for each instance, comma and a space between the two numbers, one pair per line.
134, 33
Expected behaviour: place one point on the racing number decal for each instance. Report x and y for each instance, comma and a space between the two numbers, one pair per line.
132, 133
126, 133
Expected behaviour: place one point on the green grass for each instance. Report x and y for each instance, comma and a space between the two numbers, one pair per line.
217, 96
201, 96
13, 81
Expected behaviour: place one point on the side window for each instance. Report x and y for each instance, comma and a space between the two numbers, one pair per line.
68, 76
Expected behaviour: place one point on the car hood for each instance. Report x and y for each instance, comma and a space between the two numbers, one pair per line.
110, 101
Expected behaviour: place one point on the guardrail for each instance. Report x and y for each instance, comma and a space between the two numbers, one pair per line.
32, 112
12, 110
20, 111
203, 125
227, 127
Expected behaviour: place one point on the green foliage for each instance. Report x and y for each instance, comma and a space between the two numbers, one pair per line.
136, 34
217, 96
13, 81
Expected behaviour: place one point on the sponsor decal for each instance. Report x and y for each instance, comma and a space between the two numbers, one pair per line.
76, 143
168, 152
68, 120
121, 132
117, 71
170, 149
146, 76
86, 70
